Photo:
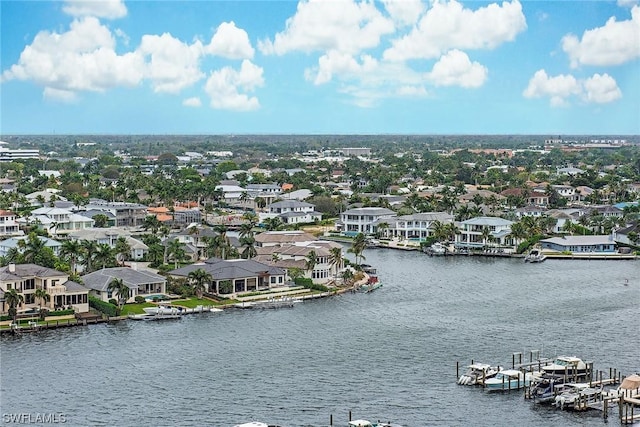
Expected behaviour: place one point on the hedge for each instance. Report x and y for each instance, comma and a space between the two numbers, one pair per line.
103, 307
61, 312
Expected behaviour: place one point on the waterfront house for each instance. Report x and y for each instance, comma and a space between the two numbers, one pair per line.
415, 226
283, 238
581, 244
110, 237
27, 278
140, 282
363, 220
233, 276
483, 232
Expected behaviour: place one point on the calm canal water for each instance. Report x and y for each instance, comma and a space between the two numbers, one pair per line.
389, 355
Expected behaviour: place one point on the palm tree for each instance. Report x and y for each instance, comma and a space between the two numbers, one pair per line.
335, 258
117, 286
105, 255
175, 250
248, 243
122, 249
486, 235
88, 253
358, 246
33, 247
311, 260
100, 220
151, 222
70, 250
42, 295
13, 300
260, 202
275, 257
199, 278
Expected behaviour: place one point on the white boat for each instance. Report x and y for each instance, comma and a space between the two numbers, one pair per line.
277, 302
153, 317
436, 249
545, 388
477, 373
365, 423
255, 424
569, 366
162, 309
535, 255
508, 379
577, 396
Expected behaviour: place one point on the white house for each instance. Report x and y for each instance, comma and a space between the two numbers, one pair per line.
473, 235
415, 226
295, 212
58, 221
8, 224
362, 220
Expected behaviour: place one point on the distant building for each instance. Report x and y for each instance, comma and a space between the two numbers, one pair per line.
362, 220
8, 224
473, 235
356, 151
140, 282
9, 154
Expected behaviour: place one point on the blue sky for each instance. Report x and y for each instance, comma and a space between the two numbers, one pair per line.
320, 67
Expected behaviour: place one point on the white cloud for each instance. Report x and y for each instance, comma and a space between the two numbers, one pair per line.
404, 12
345, 26
223, 87
627, 3
342, 64
192, 102
59, 95
601, 89
82, 59
615, 43
109, 9
455, 69
230, 42
173, 64
596, 89
451, 26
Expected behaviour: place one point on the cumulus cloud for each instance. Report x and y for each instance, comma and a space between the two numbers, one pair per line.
345, 26
172, 64
230, 42
109, 9
404, 12
81, 59
192, 102
450, 25
223, 87
455, 69
596, 89
615, 43
342, 64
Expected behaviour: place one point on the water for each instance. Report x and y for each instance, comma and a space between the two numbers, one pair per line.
390, 354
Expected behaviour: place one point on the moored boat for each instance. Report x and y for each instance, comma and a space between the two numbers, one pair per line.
477, 373
577, 396
279, 302
162, 309
436, 249
535, 255
545, 388
569, 366
509, 379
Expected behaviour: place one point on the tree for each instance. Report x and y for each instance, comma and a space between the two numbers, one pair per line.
105, 256
70, 250
248, 243
100, 220
295, 273
335, 258
199, 279
486, 235
358, 246
311, 260
175, 251
122, 249
117, 286
88, 253
151, 222
42, 295
13, 300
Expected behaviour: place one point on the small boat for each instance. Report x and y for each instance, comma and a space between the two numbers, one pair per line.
162, 309
477, 373
279, 302
372, 284
255, 424
577, 396
365, 423
546, 388
436, 249
152, 317
569, 366
535, 255
508, 379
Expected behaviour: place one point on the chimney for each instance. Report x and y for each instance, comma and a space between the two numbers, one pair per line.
12, 268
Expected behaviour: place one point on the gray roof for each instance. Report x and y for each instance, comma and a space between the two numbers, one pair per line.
488, 220
297, 214
99, 280
291, 204
580, 240
230, 269
27, 270
74, 287
369, 211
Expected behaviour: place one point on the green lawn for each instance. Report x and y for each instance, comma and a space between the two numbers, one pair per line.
194, 302
135, 308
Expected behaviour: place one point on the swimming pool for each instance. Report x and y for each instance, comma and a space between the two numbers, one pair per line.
156, 296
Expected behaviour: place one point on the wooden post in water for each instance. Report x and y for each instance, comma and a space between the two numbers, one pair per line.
349, 414
331, 419
457, 369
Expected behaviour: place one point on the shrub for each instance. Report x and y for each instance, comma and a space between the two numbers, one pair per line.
308, 283
113, 301
104, 307
61, 312
139, 299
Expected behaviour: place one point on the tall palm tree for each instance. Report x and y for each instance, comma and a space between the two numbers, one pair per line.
13, 300
486, 235
358, 246
105, 255
88, 253
199, 279
117, 286
175, 250
42, 295
70, 250
248, 243
311, 260
122, 249
151, 222
32, 247
335, 258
